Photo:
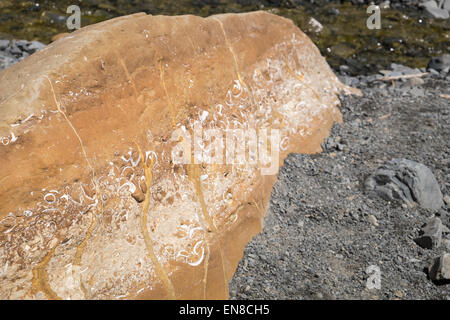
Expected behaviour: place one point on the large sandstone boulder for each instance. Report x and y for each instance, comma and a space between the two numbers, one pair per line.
92, 203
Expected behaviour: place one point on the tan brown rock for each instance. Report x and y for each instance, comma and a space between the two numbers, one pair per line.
59, 36
91, 205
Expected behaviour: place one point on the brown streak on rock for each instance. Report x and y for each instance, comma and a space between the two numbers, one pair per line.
40, 278
162, 274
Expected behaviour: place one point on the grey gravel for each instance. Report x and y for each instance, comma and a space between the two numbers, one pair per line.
14, 51
321, 214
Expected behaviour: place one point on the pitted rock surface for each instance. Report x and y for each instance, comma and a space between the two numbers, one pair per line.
92, 206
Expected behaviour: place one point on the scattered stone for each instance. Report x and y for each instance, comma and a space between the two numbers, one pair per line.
373, 220
433, 72
446, 244
21, 43
439, 270
385, 5
447, 199
445, 230
333, 144
334, 11
440, 63
6, 60
34, 46
431, 234
325, 205
344, 68
399, 69
445, 218
408, 181
385, 73
431, 7
316, 25
14, 51
4, 44
413, 82
398, 294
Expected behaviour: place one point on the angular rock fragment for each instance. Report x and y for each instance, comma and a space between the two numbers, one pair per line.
6, 60
408, 181
440, 64
4, 44
431, 234
446, 243
432, 8
13, 51
439, 270
447, 199
94, 205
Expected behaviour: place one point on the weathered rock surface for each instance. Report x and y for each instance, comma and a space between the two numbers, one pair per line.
431, 234
408, 181
441, 63
439, 270
92, 206
432, 8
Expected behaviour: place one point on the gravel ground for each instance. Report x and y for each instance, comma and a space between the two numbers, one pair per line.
323, 230
13, 51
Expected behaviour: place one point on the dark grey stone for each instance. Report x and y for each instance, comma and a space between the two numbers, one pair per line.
408, 181
14, 51
431, 234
